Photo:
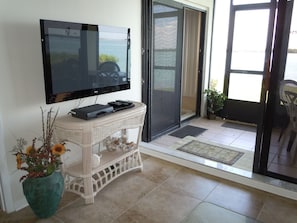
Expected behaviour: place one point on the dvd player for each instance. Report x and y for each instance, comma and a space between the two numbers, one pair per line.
91, 111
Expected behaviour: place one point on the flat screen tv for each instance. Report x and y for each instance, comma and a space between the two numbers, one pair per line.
81, 60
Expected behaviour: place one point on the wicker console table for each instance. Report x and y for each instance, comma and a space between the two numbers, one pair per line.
83, 178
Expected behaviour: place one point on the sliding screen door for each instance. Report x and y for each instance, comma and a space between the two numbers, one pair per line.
166, 68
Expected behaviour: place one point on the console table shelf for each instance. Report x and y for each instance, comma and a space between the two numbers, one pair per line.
84, 178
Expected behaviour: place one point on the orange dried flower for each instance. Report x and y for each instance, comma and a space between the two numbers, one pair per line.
19, 160
29, 149
58, 149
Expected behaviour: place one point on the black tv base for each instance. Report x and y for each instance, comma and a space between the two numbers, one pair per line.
119, 105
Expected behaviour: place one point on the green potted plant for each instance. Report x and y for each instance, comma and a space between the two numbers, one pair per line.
215, 102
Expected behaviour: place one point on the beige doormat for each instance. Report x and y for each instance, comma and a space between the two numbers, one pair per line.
211, 152
245, 162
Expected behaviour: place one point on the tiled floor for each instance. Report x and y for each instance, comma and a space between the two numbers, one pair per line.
216, 134
244, 139
165, 192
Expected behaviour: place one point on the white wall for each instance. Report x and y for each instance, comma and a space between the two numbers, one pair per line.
21, 83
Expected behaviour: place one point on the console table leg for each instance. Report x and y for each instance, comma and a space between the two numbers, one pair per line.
87, 171
89, 198
140, 160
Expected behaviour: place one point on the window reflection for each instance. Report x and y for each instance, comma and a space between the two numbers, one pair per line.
114, 55
240, 87
243, 2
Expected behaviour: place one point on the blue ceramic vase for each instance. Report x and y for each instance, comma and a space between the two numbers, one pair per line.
44, 194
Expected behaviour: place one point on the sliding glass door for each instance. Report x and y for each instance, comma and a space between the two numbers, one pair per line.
277, 154
248, 56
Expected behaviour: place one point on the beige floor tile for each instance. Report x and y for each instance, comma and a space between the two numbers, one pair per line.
164, 206
53, 219
243, 143
158, 170
127, 190
68, 198
191, 183
80, 212
228, 132
25, 215
237, 198
144, 156
223, 139
276, 209
133, 216
207, 212
165, 140
111, 202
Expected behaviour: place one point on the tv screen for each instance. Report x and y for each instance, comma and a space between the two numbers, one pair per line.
82, 60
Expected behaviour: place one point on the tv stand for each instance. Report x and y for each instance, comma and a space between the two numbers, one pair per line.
118, 157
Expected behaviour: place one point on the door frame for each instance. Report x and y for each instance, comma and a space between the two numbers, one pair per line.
146, 29
6, 198
254, 108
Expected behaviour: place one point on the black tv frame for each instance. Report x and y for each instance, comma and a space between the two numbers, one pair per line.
54, 97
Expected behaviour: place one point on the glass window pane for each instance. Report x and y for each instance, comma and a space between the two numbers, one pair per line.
249, 43
245, 87
291, 63
291, 66
164, 80
165, 31
165, 58
162, 8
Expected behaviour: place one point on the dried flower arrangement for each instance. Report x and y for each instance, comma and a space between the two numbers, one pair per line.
42, 160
